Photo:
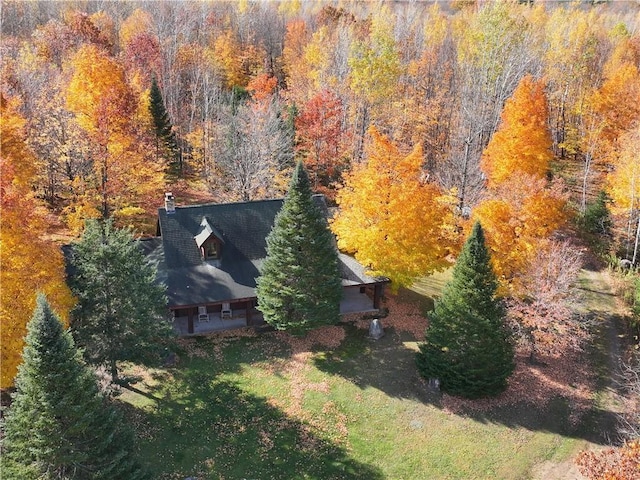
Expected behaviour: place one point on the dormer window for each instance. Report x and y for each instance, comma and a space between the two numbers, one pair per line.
209, 241
211, 250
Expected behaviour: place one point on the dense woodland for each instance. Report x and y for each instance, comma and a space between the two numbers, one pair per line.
414, 118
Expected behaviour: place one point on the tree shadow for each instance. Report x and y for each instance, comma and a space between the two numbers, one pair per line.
389, 365
207, 426
140, 392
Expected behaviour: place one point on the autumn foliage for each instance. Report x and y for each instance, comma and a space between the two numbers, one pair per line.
30, 262
620, 463
492, 104
522, 144
521, 209
391, 218
126, 177
322, 142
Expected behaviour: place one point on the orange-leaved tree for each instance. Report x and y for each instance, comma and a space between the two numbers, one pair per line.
522, 143
30, 264
261, 87
521, 209
616, 103
296, 68
127, 179
391, 218
606, 113
519, 217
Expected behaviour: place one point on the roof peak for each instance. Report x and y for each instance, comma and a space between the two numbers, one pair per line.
211, 204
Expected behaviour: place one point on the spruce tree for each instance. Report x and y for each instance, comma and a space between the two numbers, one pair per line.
597, 218
467, 345
121, 312
300, 285
60, 425
166, 143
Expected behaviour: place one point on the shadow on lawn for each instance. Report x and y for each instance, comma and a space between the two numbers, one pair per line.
207, 427
389, 365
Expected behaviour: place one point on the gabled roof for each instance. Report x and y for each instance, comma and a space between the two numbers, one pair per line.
242, 228
206, 232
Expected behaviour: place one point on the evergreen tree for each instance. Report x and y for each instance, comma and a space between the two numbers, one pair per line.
467, 346
165, 138
597, 218
300, 285
121, 311
60, 426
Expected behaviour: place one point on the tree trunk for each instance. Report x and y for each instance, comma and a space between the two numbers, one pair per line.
465, 166
114, 371
635, 248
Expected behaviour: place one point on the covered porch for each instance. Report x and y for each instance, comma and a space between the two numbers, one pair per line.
203, 319
360, 299
215, 324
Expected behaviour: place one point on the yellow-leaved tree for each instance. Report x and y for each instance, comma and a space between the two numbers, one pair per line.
616, 103
30, 264
522, 142
391, 218
127, 180
522, 208
623, 185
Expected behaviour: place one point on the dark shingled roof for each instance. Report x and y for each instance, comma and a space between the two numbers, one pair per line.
242, 228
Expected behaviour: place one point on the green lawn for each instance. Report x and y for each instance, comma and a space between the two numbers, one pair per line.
258, 408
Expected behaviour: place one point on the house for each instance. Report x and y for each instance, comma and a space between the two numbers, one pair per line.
209, 257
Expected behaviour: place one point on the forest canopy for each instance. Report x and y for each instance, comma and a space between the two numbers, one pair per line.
251, 87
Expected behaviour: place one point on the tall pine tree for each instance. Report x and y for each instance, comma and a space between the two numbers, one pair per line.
60, 425
121, 312
467, 345
166, 143
300, 285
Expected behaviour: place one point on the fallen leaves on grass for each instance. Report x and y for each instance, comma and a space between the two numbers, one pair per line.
192, 348
566, 376
402, 317
332, 424
329, 336
216, 340
405, 317
622, 463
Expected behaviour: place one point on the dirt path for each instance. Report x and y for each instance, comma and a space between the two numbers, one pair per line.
608, 311
601, 305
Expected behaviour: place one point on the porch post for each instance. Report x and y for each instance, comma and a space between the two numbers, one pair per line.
190, 321
249, 307
377, 295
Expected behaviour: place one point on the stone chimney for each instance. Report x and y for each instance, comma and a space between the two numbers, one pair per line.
169, 203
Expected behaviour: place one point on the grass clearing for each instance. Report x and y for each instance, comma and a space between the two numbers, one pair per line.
272, 407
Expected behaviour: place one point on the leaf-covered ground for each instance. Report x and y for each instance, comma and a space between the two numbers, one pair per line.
336, 404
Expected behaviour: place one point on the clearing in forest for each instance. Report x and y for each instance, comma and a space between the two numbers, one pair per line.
336, 404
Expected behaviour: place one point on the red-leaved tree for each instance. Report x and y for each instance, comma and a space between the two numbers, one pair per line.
541, 314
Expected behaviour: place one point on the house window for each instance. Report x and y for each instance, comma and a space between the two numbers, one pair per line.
211, 250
